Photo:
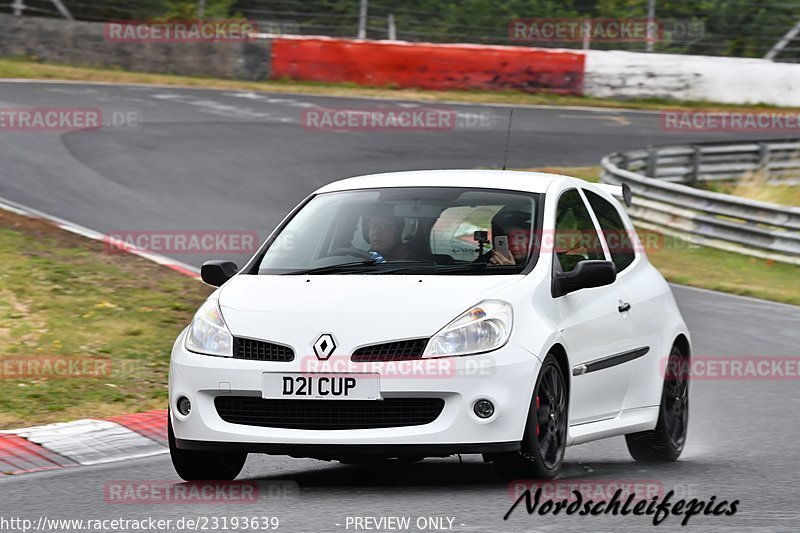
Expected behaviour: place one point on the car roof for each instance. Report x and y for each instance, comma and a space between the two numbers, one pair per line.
536, 182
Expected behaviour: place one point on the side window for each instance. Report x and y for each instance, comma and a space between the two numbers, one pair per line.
576, 239
617, 238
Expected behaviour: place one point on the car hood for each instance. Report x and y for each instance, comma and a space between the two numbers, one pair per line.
355, 309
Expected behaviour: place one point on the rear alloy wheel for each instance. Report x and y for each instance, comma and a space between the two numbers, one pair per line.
545, 439
665, 442
204, 466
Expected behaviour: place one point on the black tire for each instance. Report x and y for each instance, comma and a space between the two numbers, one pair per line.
204, 466
545, 438
665, 443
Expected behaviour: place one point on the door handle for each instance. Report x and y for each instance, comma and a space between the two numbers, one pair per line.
624, 307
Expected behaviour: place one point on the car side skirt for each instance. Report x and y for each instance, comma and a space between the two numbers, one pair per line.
629, 421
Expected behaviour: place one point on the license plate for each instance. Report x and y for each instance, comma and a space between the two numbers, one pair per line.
321, 386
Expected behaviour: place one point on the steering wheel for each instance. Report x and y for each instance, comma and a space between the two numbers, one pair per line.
354, 252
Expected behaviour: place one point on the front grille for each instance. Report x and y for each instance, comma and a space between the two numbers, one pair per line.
261, 350
328, 414
390, 351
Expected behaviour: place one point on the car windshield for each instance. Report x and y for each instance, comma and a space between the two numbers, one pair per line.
407, 230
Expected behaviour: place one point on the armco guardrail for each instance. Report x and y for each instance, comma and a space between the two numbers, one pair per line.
664, 200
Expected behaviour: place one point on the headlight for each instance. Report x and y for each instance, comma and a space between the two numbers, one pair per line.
207, 333
483, 328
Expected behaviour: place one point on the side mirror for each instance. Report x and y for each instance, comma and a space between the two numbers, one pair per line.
586, 275
215, 273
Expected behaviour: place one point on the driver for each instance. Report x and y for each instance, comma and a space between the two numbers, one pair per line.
384, 234
516, 225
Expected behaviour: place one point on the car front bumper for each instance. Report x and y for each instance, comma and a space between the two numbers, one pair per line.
505, 377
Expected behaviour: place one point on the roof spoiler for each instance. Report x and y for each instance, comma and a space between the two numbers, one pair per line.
620, 192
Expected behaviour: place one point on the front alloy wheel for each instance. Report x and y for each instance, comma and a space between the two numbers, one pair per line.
545, 439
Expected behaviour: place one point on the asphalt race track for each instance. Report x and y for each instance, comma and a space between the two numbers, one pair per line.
230, 160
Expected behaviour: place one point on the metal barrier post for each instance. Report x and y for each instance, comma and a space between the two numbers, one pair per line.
697, 157
763, 159
652, 162
625, 161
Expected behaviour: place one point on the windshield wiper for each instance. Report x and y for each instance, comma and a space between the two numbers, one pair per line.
369, 266
423, 268
353, 266
476, 267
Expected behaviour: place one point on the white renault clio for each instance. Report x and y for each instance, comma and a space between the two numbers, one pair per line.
416, 314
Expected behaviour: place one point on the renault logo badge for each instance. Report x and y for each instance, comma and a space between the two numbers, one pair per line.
324, 346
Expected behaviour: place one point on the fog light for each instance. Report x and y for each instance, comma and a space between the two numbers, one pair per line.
184, 405
484, 408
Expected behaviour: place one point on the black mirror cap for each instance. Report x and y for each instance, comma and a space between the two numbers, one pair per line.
627, 194
215, 273
585, 275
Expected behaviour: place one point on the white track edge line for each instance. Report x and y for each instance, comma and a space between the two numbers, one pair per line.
163, 260
342, 97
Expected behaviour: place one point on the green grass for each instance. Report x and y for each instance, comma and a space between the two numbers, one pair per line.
24, 68
755, 190
709, 268
66, 298
585, 173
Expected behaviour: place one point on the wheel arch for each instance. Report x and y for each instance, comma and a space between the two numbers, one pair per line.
683, 343
560, 353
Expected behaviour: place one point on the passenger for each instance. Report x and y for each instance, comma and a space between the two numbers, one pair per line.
516, 225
